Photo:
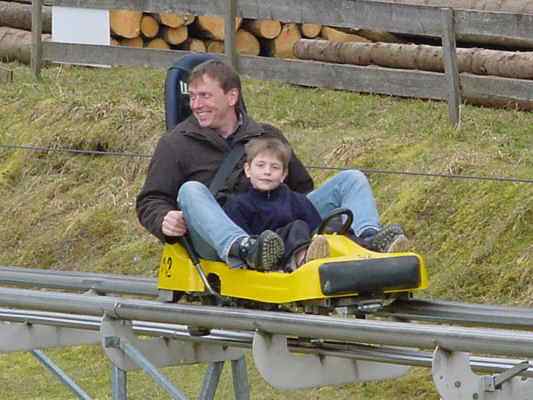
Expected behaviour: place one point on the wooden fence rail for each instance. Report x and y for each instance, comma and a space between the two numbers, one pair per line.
410, 19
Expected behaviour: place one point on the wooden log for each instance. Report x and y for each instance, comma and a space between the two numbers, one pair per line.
15, 44
149, 26
214, 46
338, 52
125, 23
500, 41
429, 58
136, 42
174, 36
337, 35
311, 31
246, 43
158, 43
17, 15
193, 44
282, 45
375, 36
175, 20
263, 28
212, 28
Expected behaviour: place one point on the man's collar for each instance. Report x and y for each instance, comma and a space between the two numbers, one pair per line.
231, 136
251, 128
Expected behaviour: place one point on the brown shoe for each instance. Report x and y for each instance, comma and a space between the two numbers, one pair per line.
318, 248
400, 244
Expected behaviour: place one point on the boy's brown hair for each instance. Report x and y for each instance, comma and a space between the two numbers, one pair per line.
274, 146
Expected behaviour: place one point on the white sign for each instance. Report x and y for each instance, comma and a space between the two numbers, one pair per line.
80, 26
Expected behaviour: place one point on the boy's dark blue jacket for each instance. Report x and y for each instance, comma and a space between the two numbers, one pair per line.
256, 211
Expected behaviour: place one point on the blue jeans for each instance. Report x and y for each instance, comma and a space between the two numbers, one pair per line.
212, 232
348, 189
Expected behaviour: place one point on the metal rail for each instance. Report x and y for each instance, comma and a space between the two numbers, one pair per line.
462, 313
412, 309
475, 340
244, 340
99, 283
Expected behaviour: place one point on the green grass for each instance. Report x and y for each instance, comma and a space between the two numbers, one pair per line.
76, 212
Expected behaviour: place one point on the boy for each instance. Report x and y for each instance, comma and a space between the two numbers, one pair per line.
269, 204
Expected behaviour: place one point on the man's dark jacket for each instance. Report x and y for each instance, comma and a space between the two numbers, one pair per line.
192, 153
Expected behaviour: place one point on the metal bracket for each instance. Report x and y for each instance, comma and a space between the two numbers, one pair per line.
455, 380
284, 370
160, 352
15, 336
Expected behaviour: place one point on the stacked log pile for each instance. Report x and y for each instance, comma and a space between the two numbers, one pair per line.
202, 33
272, 38
323, 43
268, 38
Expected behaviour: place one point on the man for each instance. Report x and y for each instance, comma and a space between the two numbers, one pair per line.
175, 199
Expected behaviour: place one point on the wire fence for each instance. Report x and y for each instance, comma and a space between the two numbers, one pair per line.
318, 167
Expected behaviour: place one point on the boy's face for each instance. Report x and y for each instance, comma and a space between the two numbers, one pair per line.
265, 172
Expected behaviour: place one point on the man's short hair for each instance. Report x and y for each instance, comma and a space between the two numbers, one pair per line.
274, 146
218, 70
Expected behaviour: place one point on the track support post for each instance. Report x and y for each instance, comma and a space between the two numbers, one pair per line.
454, 379
285, 370
128, 352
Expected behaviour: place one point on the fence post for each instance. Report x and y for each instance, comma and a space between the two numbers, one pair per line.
450, 66
229, 33
6, 75
36, 32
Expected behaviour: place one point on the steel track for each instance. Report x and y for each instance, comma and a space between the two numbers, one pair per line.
244, 339
409, 310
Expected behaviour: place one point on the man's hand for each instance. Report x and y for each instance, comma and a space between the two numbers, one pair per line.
174, 224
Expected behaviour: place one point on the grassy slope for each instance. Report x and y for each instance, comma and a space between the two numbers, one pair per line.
77, 212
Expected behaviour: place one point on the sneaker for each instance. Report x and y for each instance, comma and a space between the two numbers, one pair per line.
262, 253
318, 248
390, 239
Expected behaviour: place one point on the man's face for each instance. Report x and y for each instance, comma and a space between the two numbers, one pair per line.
265, 171
211, 106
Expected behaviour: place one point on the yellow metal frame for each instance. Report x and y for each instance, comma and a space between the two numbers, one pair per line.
177, 273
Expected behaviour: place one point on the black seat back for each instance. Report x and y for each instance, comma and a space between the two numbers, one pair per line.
176, 90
